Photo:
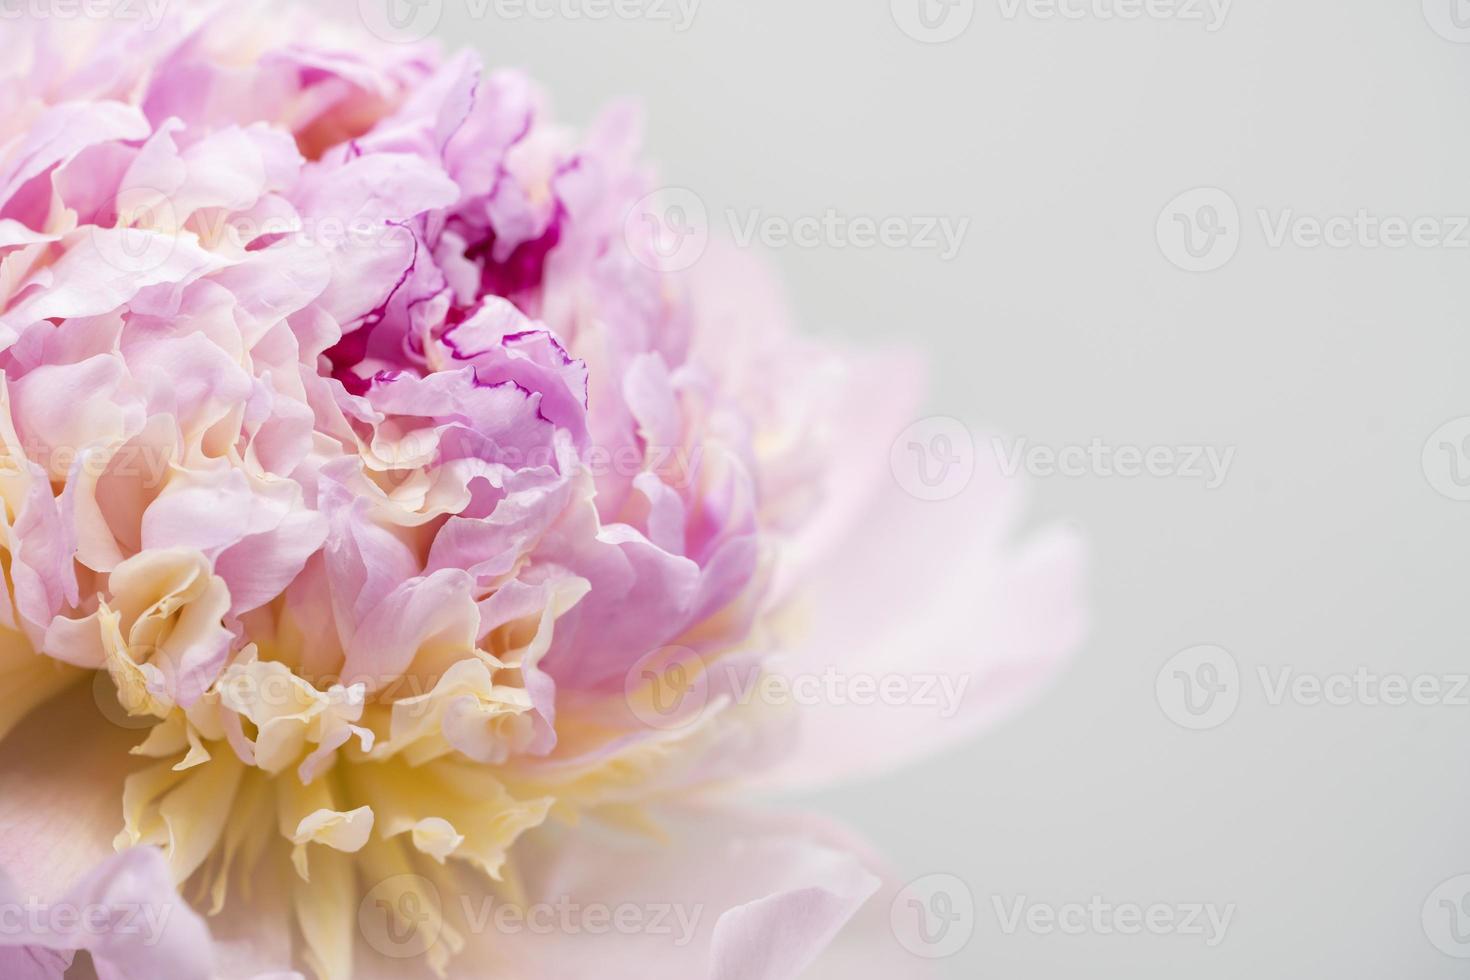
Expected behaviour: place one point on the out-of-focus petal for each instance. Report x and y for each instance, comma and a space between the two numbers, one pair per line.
722, 896
125, 913
61, 776
963, 619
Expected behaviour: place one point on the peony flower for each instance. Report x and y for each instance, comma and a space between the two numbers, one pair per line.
396, 546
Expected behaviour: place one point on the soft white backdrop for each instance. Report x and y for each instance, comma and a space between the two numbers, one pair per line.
1062, 320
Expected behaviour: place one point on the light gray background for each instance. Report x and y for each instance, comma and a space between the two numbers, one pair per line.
1061, 320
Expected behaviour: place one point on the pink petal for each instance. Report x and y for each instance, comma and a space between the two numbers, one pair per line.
132, 922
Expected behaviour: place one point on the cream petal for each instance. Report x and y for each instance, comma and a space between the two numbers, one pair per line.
27, 679
62, 771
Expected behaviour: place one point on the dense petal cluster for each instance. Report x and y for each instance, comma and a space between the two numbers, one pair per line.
364, 466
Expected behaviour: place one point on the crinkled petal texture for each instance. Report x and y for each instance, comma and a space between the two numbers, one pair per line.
394, 549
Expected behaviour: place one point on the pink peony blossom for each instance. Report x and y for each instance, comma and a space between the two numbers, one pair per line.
391, 536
